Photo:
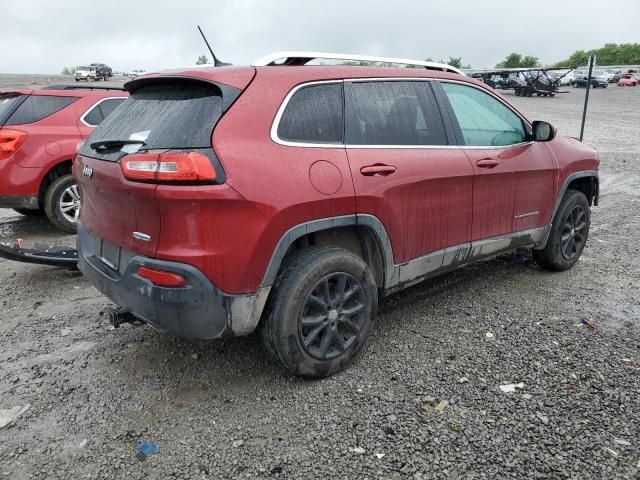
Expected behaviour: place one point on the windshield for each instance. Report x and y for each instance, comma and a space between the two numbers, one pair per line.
175, 115
83, 68
8, 103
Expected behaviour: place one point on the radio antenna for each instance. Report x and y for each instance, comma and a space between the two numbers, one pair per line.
216, 61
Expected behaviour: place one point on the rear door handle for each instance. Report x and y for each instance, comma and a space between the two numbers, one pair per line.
377, 170
488, 163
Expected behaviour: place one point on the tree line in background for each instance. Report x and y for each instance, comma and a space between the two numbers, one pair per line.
610, 54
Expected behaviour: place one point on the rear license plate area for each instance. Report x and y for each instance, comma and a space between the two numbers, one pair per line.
110, 254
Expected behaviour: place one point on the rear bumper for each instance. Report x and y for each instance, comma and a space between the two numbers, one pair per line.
28, 202
199, 310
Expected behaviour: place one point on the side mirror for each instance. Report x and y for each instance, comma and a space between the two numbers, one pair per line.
543, 131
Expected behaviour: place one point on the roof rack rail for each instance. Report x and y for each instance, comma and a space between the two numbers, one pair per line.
80, 87
302, 58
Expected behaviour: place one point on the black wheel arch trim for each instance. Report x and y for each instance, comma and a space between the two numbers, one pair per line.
298, 231
574, 176
561, 193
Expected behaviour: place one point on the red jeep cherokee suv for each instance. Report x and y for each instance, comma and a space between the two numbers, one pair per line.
39, 134
295, 196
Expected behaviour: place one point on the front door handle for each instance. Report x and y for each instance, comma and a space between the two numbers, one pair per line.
488, 163
377, 170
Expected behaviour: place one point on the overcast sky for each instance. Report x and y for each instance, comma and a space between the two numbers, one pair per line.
42, 36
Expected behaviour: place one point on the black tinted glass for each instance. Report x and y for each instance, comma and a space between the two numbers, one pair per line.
8, 103
102, 110
394, 113
314, 115
110, 105
94, 117
168, 115
37, 107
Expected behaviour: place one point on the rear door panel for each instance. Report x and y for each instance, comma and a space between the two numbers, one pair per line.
426, 203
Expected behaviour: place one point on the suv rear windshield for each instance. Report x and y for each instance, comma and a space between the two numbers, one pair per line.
174, 115
8, 103
38, 107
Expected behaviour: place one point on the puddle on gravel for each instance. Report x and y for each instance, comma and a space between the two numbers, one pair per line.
627, 184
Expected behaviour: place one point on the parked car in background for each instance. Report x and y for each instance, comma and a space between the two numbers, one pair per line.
613, 75
86, 73
136, 73
39, 133
561, 77
599, 79
291, 198
628, 80
103, 72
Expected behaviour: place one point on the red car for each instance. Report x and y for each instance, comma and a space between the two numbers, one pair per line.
292, 197
39, 133
628, 80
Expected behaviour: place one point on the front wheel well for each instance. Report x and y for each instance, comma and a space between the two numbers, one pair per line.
57, 171
359, 240
587, 185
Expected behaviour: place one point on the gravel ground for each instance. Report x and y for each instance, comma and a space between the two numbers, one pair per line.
223, 410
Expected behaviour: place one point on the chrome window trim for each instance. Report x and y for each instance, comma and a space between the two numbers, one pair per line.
82, 118
292, 92
276, 121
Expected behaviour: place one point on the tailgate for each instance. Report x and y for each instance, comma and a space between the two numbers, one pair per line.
167, 115
122, 213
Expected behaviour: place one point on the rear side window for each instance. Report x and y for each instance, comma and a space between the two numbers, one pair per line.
393, 113
172, 115
484, 120
313, 115
38, 107
99, 112
8, 103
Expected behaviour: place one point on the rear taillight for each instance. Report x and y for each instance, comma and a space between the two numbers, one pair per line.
168, 167
161, 278
10, 141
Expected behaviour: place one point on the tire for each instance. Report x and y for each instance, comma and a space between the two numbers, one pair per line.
61, 194
569, 233
529, 92
306, 291
517, 92
27, 212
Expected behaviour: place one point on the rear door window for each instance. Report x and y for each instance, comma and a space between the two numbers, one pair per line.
314, 115
483, 119
38, 107
99, 112
393, 113
176, 115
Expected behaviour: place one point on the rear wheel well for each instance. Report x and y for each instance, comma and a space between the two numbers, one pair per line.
61, 169
359, 240
588, 186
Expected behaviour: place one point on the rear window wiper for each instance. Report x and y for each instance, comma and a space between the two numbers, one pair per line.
110, 144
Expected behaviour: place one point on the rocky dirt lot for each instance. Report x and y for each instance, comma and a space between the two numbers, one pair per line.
223, 410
